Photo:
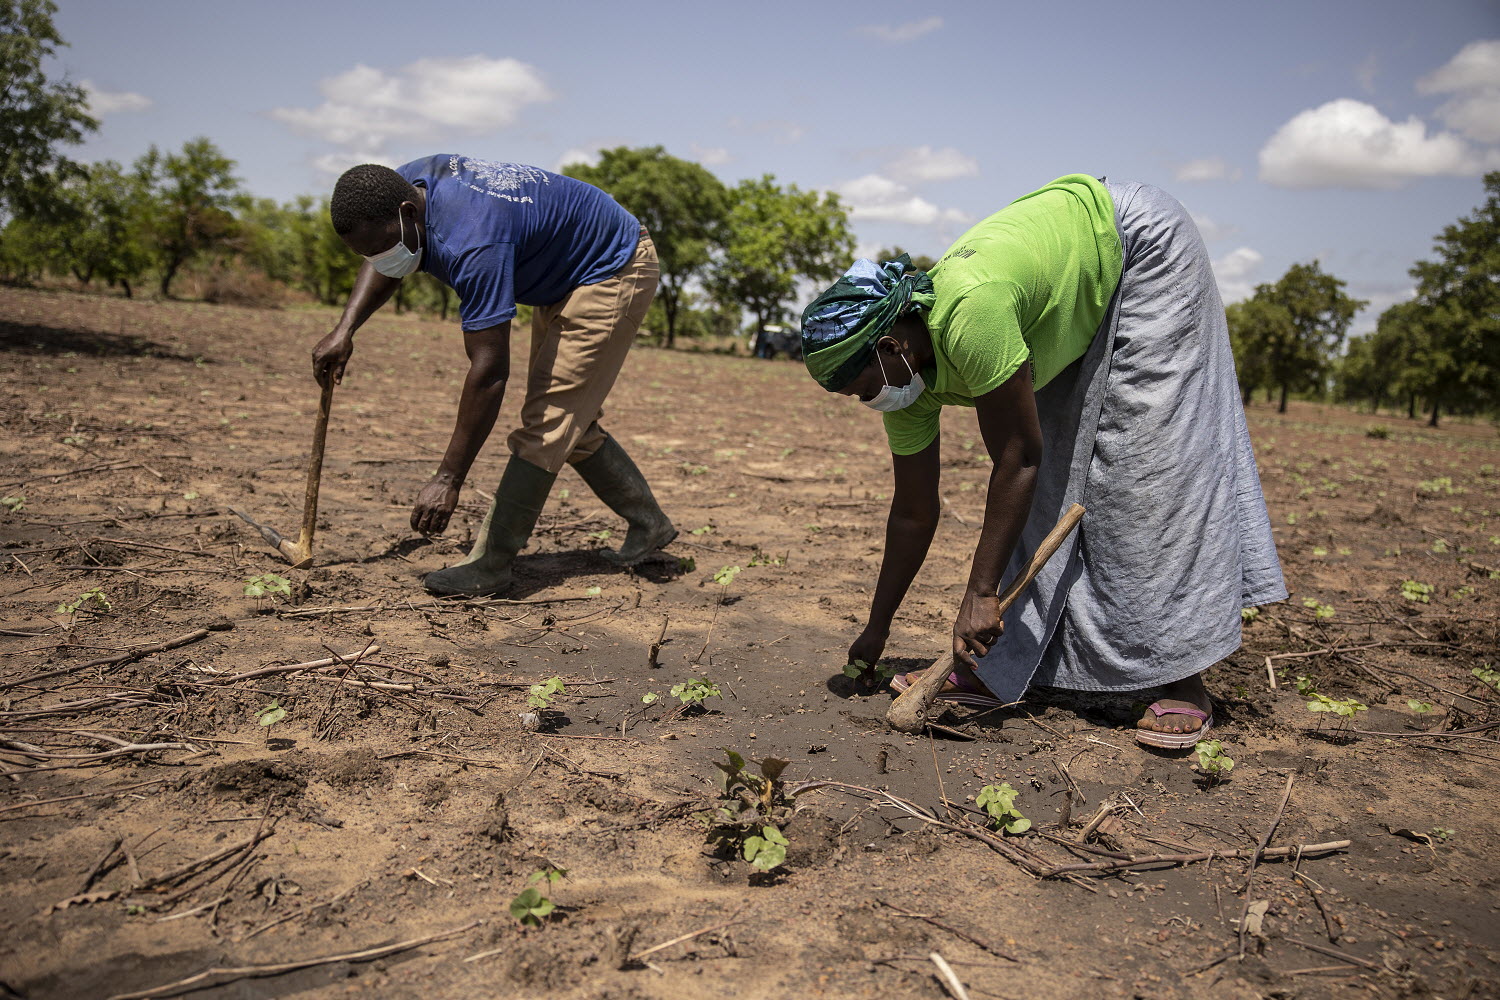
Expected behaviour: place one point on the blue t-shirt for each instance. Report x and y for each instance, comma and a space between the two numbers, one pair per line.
501, 233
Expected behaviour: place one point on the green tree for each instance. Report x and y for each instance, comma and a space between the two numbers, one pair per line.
776, 238
1257, 331
920, 261
36, 115
1320, 315
682, 204
1460, 294
97, 233
191, 194
1387, 365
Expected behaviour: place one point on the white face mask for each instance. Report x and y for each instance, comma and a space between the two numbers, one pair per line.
398, 262
891, 398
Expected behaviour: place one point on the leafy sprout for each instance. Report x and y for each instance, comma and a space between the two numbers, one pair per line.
14, 504
268, 585
1342, 707
540, 696
270, 714
93, 596
1212, 760
1487, 675
530, 907
766, 849
999, 802
1414, 590
694, 691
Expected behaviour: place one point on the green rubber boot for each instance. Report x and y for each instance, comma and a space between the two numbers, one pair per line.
614, 478
518, 503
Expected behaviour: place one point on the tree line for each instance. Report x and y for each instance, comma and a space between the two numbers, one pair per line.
1436, 353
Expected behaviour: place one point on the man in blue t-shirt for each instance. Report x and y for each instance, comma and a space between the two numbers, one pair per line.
501, 234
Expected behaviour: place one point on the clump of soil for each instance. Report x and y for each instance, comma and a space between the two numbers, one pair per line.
353, 769
253, 780
496, 824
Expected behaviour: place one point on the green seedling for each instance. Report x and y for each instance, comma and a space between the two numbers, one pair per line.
1441, 484
1487, 675
766, 849
270, 714
1443, 832
268, 585
687, 564
690, 469
750, 812
1419, 706
999, 802
1344, 708
1213, 761
539, 696
602, 535
725, 576
93, 596
694, 691
1414, 590
650, 698
594, 591
707, 529
1321, 611
1249, 614
858, 669
1319, 552
530, 907
550, 875
761, 559
1439, 547
1305, 685
14, 504
135, 910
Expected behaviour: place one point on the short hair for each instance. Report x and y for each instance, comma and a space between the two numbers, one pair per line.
368, 193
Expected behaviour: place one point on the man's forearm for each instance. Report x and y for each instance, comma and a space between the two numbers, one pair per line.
371, 291
478, 407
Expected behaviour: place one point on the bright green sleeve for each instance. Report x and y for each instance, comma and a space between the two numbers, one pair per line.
983, 339
914, 428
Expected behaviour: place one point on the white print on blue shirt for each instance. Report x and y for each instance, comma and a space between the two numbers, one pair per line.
498, 177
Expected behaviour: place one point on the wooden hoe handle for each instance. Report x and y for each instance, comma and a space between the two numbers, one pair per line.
908, 713
314, 480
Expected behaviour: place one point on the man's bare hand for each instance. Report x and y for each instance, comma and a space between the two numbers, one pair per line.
435, 505
331, 355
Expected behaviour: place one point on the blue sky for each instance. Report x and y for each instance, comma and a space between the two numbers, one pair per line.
1350, 132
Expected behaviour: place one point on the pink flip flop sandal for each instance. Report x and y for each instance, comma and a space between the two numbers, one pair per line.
965, 695
1175, 741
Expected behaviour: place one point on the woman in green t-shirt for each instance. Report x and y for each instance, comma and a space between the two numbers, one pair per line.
1083, 325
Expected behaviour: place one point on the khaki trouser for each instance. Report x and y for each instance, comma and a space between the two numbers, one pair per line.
578, 346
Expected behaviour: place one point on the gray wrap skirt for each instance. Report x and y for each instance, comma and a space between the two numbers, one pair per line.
1147, 432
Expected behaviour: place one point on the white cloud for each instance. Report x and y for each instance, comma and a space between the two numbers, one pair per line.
1235, 273
923, 163
1348, 143
107, 102
880, 199
897, 33
334, 164
1213, 231
364, 107
588, 157
1473, 78
710, 156
1207, 168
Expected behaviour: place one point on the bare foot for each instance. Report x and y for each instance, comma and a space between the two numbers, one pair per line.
1188, 692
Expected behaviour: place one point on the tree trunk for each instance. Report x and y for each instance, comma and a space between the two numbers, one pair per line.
1282, 407
670, 300
1432, 421
1270, 392
125, 283
400, 297
1411, 406
167, 274
1245, 394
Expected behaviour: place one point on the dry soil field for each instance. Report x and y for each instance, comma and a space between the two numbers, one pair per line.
372, 840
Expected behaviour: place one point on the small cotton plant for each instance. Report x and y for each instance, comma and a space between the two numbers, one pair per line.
694, 691
530, 906
268, 586
92, 600
1213, 761
999, 803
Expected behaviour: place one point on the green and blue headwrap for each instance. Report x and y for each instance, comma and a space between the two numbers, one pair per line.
840, 328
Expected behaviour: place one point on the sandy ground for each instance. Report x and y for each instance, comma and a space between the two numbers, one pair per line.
374, 816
